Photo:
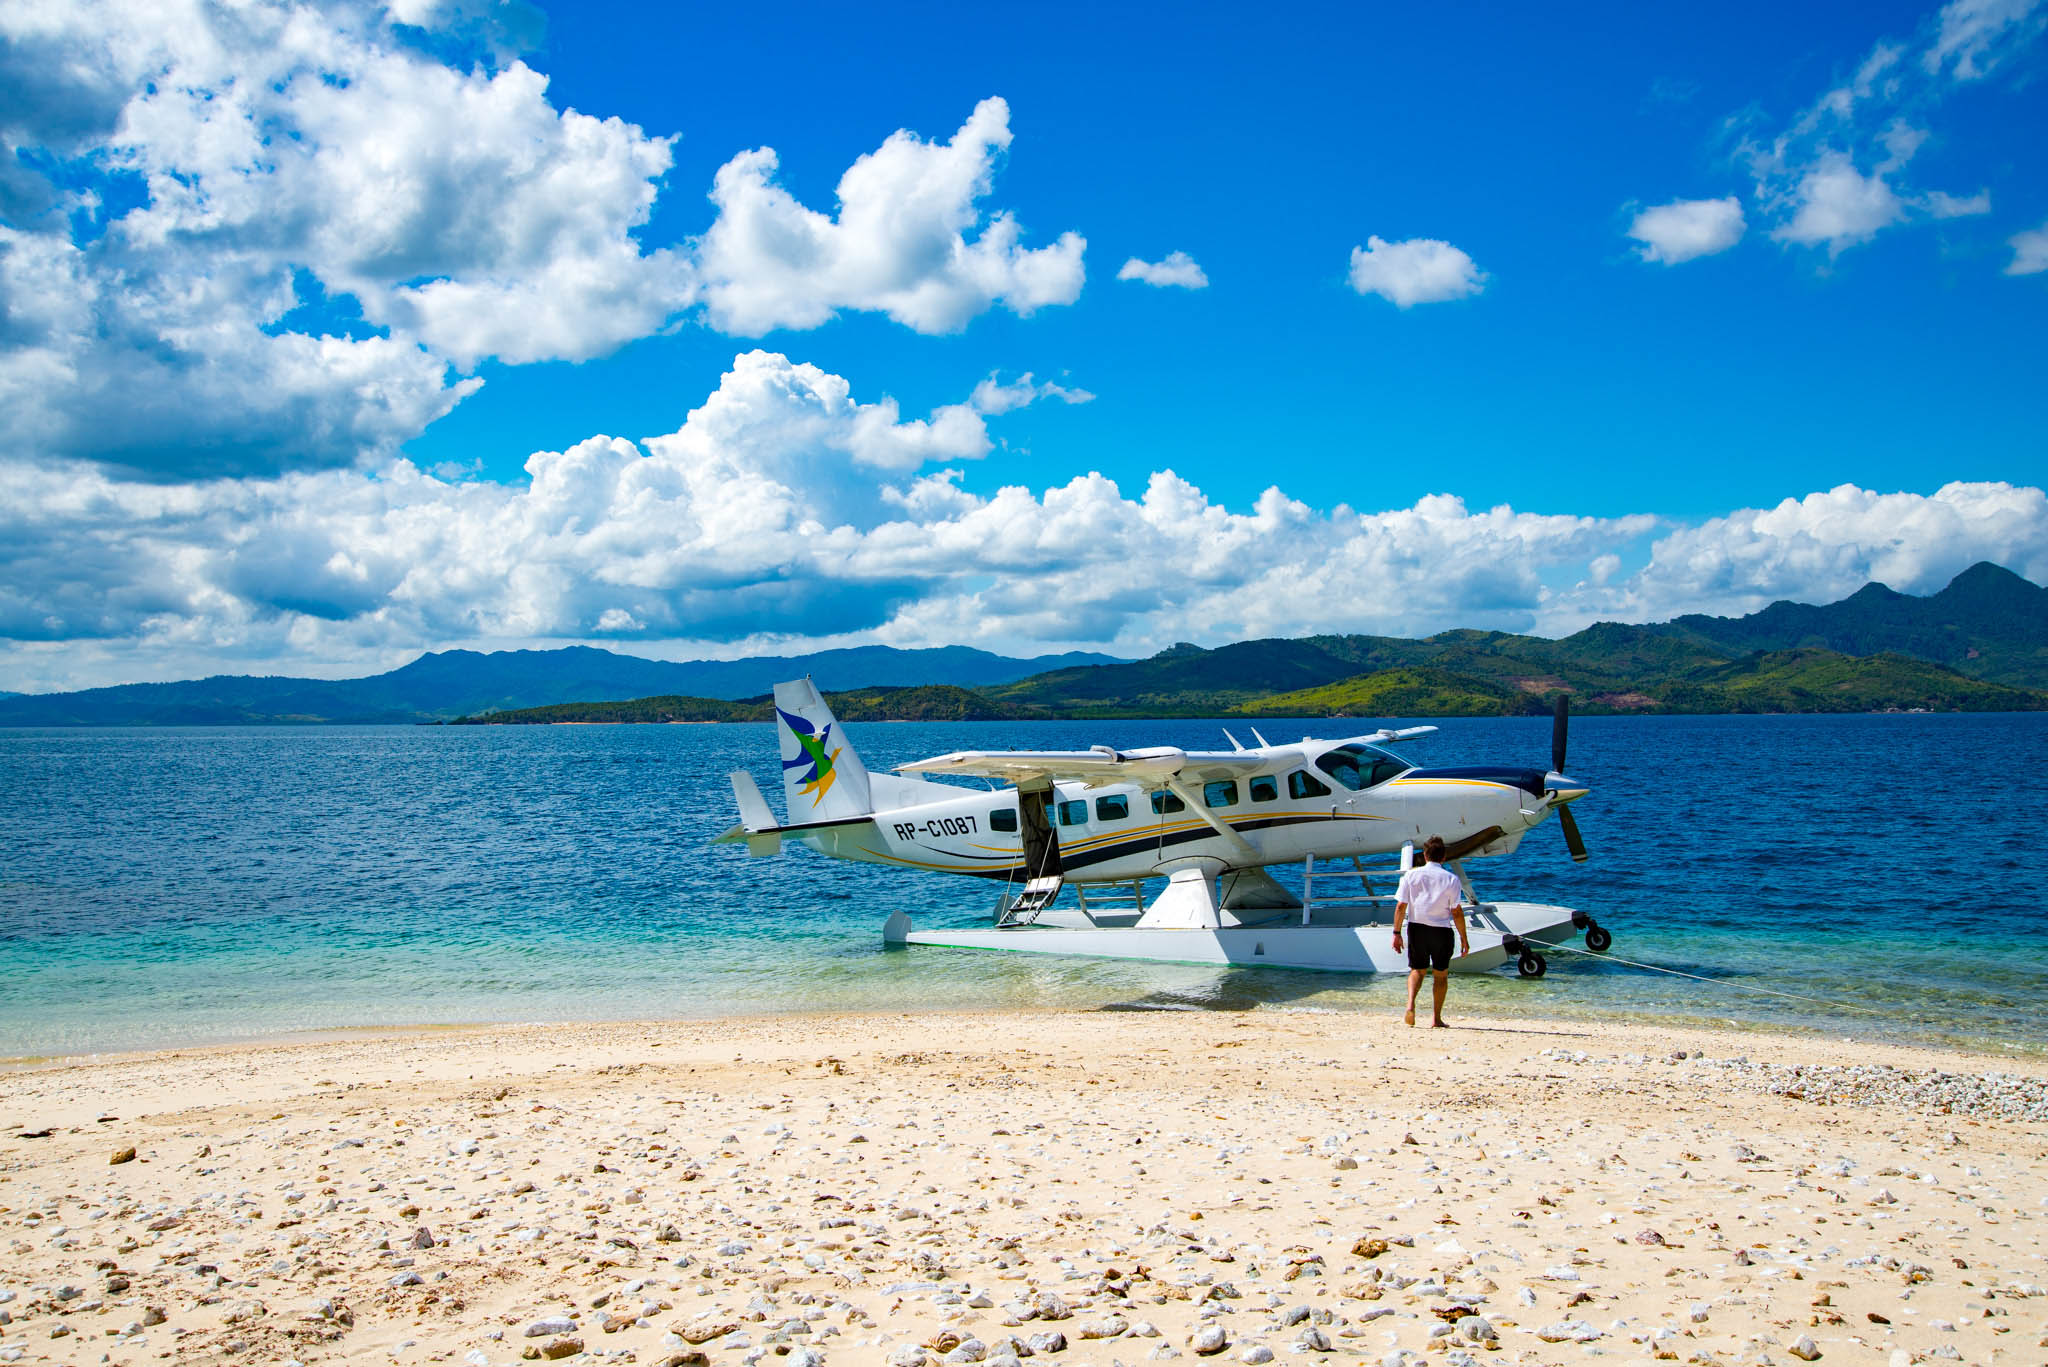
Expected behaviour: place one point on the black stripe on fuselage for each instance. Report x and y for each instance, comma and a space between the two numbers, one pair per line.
1103, 854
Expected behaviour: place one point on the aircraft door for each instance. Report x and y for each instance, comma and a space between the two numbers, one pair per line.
1034, 822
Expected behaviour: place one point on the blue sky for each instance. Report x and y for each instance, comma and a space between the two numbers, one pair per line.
1266, 145
253, 283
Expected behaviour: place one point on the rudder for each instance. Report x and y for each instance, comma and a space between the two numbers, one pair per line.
822, 776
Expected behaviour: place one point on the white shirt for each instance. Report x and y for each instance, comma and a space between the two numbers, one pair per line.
1430, 890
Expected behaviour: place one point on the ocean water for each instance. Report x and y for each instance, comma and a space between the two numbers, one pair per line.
1869, 876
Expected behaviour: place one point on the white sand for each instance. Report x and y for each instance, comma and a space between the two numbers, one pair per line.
847, 1188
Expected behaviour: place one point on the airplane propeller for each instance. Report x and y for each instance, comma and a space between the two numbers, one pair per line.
1560, 731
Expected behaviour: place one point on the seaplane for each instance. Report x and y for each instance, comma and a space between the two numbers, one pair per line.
1106, 823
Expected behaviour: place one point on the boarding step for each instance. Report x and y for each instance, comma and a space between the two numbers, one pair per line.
1023, 909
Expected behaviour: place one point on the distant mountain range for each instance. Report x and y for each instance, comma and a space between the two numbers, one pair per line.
1985, 639
1988, 623
446, 684
1981, 644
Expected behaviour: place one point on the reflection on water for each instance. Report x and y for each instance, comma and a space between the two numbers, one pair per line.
178, 886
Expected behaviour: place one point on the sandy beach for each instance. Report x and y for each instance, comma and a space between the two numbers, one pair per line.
1105, 1187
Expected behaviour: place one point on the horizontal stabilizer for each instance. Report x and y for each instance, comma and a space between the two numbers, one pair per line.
758, 842
754, 813
757, 824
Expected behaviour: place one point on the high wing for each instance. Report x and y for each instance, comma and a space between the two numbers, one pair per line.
1104, 764
1100, 765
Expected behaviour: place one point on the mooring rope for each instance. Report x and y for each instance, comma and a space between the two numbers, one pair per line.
1723, 982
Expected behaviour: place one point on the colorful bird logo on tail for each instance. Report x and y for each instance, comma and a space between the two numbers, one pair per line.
811, 745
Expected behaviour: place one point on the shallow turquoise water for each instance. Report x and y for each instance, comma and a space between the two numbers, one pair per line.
162, 887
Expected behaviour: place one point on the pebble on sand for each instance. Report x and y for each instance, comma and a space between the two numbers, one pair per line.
562, 1324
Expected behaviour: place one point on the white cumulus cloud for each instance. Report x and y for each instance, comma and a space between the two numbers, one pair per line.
899, 244
785, 512
1838, 206
993, 396
1178, 268
1941, 204
1825, 546
2029, 251
1687, 228
1838, 173
1972, 36
1420, 270
245, 238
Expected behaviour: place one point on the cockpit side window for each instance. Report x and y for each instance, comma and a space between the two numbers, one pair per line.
1074, 812
1359, 766
1302, 784
1342, 765
1384, 768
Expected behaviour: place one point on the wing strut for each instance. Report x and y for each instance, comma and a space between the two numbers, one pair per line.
1200, 808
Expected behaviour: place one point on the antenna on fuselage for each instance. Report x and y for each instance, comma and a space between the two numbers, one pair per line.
1233, 739
1263, 742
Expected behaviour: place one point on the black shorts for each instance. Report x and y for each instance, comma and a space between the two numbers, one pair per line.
1429, 946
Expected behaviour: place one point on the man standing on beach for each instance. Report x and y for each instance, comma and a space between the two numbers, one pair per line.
1427, 901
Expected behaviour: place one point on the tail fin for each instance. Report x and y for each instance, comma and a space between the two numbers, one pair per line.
822, 778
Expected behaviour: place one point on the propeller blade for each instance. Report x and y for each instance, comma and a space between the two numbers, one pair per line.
1569, 824
1560, 728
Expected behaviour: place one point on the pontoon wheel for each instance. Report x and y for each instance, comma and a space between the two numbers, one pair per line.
1532, 964
1598, 939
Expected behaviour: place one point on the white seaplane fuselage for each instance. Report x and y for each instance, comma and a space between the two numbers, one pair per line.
1210, 822
1278, 803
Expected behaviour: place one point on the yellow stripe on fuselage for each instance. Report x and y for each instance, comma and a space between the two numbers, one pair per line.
1166, 828
1452, 783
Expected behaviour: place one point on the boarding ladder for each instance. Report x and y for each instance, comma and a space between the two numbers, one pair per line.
1038, 894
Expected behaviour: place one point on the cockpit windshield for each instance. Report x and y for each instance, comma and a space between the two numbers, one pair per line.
1359, 767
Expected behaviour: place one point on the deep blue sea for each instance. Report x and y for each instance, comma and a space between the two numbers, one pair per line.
181, 886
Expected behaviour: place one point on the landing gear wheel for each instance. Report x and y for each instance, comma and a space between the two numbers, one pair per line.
1598, 939
1532, 964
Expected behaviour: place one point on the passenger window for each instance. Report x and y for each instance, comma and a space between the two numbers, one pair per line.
1302, 784
1114, 808
1221, 793
1003, 819
1164, 803
1074, 813
1265, 789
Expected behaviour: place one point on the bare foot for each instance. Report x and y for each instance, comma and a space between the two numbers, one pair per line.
1409, 1018
1438, 1024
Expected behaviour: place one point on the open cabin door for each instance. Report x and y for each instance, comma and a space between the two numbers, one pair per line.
1042, 874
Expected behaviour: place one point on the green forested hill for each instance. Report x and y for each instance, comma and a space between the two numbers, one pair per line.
1780, 681
1827, 681
1988, 623
1395, 693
